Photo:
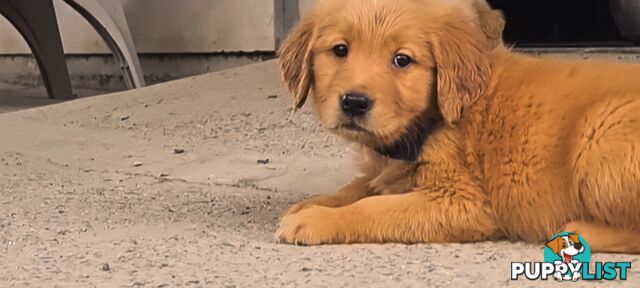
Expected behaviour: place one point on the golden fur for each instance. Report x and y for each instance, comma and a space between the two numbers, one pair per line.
525, 148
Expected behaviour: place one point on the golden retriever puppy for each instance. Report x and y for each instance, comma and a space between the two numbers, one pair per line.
462, 140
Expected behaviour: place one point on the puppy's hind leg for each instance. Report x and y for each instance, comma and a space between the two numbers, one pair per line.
603, 238
607, 174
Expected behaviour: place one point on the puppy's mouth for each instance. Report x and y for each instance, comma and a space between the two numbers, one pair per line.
351, 126
407, 146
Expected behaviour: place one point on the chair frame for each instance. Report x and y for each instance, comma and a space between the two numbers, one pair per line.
37, 23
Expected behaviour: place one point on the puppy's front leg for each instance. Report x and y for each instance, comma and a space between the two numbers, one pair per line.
350, 193
415, 217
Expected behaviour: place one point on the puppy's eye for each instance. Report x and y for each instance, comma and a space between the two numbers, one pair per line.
402, 61
341, 50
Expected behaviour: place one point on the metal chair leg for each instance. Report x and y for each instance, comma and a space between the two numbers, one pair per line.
36, 22
108, 19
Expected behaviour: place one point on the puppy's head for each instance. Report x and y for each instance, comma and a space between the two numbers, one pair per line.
566, 246
377, 68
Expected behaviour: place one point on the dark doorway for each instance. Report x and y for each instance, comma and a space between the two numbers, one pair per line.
560, 23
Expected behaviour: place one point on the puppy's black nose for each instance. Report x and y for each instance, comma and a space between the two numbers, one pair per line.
577, 246
355, 104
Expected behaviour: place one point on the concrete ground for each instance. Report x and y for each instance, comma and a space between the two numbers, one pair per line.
161, 187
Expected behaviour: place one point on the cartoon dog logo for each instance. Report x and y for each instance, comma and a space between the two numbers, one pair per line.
566, 247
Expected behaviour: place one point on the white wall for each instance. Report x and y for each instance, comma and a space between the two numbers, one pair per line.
168, 26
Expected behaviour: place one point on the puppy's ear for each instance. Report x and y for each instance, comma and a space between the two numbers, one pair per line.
463, 68
296, 61
554, 245
491, 22
575, 238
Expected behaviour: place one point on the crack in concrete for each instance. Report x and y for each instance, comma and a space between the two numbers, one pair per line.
251, 183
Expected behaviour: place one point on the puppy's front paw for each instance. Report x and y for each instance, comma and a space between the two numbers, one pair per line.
322, 200
312, 226
295, 208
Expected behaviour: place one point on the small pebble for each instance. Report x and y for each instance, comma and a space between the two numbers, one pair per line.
125, 118
263, 161
137, 164
227, 244
178, 151
105, 267
60, 209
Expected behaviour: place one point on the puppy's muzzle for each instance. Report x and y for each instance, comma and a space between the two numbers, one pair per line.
355, 104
